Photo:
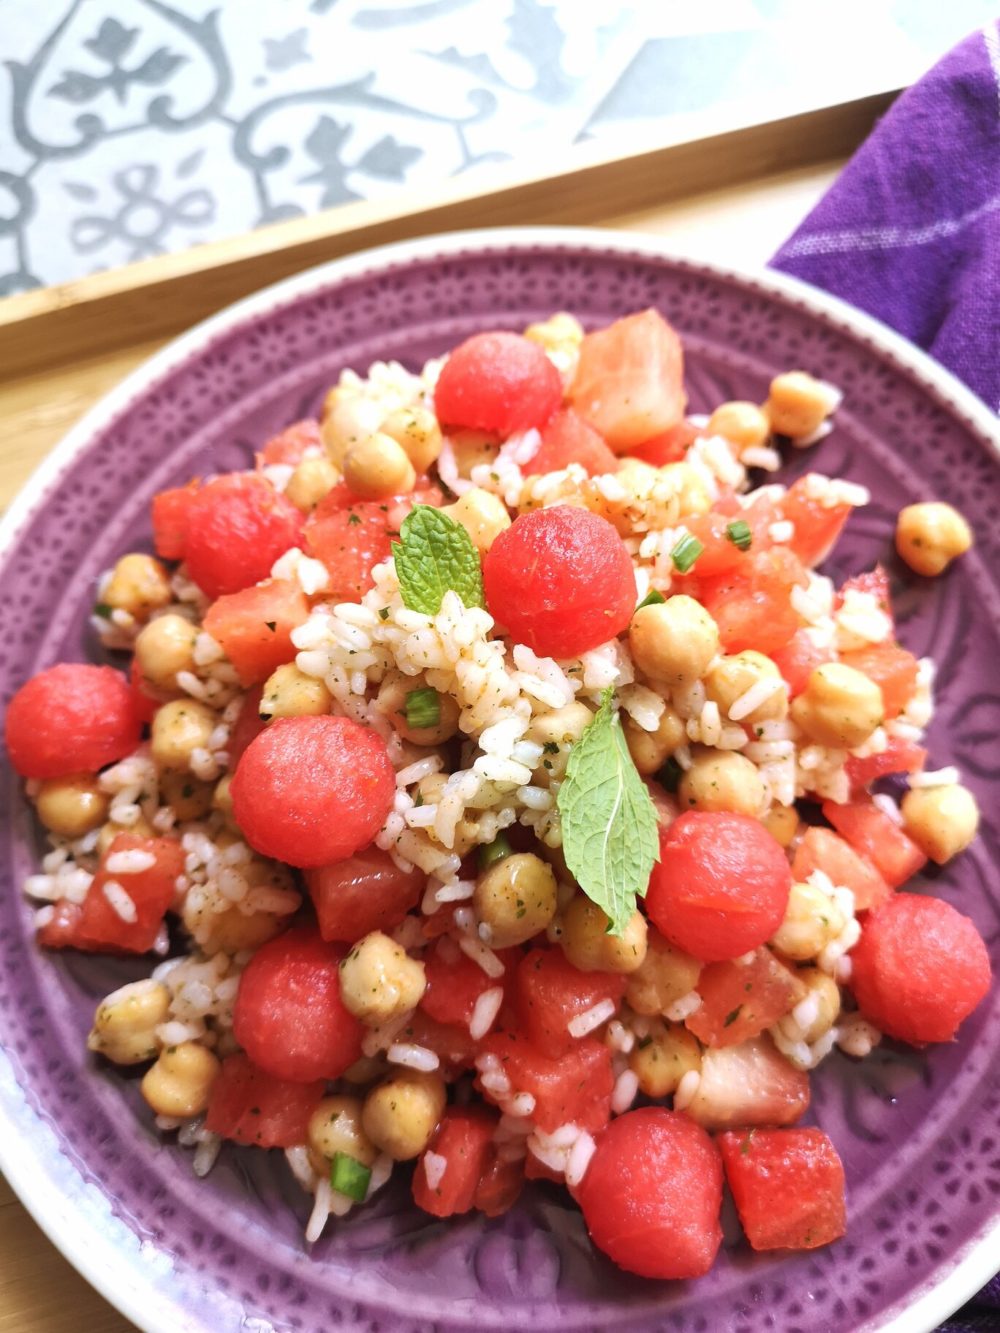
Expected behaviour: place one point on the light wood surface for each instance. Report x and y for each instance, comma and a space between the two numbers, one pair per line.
740, 224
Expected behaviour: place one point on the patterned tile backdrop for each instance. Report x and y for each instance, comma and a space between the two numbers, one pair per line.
133, 127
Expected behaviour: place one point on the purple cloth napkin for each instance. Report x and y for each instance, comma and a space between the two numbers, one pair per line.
910, 231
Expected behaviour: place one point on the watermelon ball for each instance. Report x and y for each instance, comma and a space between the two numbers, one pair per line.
313, 790
72, 718
497, 382
560, 580
919, 969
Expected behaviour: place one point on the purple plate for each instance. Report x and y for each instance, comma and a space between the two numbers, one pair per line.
918, 1132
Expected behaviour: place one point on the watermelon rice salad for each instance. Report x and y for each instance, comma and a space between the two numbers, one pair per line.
495, 787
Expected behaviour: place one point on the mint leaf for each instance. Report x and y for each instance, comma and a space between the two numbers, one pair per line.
609, 824
435, 556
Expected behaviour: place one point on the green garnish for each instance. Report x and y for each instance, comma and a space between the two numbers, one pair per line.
435, 556
103, 610
608, 819
550, 747
739, 533
423, 709
732, 1016
651, 599
383, 613
494, 851
349, 1176
685, 553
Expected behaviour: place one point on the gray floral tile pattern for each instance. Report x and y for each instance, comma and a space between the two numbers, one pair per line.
129, 128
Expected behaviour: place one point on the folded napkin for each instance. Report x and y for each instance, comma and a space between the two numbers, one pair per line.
910, 231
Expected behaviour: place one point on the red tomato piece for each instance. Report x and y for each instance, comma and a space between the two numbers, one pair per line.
254, 626
568, 439
151, 892
720, 887
893, 670
313, 790
873, 835
247, 727
289, 1016
817, 526
464, 1139
290, 446
749, 1084
798, 659
788, 1185
822, 849
739, 1000
560, 580
71, 718
145, 705
899, 756
171, 516
350, 541
499, 1187
549, 992
753, 609
499, 382
919, 969
454, 983
629, 382
238, 525
575, 1087
249, 1105
366, 892
670, 447
652, 1195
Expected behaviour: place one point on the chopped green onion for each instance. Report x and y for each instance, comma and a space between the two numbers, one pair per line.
686, 552
103, 610
739, 533
651, 599
494, 851
670, 774
423, 709
349, 1176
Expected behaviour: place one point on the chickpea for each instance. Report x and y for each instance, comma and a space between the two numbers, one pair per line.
840, 706
827, 992
429, 791
661, 1059
471, 448
229, 931
557, 332
350, 419
179, 728
563, 726
730, 677
692, 493
675, 640
313, 479
289, 692
335, 1126
721, 780
416, 429
798, 404
164, 647
187, 796
379, 980
401, 1115
743, 424
636, 475
929, 536
392, 701
378, 467
222, 799
586, 943
665, 975
126, 1021
366, 1070
142, 828
180, 1082
516, 898
483, 515
812, 920
72, 806
942, 821
782, 822
138, 584
651, 749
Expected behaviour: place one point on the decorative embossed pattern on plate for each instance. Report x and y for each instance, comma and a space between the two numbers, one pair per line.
918, 1132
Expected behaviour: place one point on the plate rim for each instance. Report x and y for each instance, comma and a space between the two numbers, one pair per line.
974, 1264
